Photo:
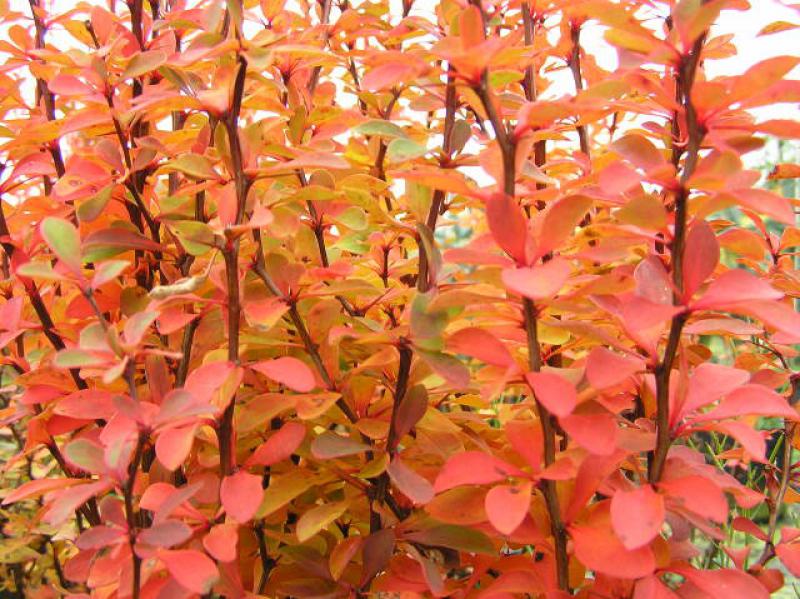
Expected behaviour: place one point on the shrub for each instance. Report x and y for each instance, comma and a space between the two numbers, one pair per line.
316, 300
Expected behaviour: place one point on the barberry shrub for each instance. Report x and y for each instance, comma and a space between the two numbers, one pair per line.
328, 300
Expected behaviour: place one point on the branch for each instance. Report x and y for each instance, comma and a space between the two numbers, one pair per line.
663, 371
508, 150
227, 457
575, 67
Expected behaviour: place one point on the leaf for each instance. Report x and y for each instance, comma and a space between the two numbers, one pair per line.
480, 344
455, 537
317, 518
596, 433
558, 222
241, 495
174, 445
193, 570
701, 257
637, 516
538, 282
165, 534
221, 542
65, 242
507, 506
379, 128
725, 582
342, 554
288, 371
195, 166
378, 550
410, 411
473, 468
554, 392
784, 171
282, 490
412, 485
35, 488
696, 494
121, 239
508, 225
143, 63
86, 455
789, 554
750, 400
329, 445
597, 548
279, 446
733, 288
99, 537
402, 149
65, 504
605, 368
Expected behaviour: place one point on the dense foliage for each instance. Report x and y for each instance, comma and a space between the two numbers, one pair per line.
354, 298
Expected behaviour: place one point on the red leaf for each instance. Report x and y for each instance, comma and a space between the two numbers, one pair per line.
728, 583
508, 225
241, 495
87, 404
538, 282
554, 392
174, 444
733, 288
697, 494
507, 506
279, 446
203, 381
701, 257
412, 485
599, 549
473, 468
637, 516
193, 570
221, 542
596, 433
525, 437
101, 536
165, 534
288, 371
751, 400
606, 369
35, 488
480, 344
708, 383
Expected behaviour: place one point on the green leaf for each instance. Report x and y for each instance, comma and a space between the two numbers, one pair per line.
143, 63
77, 358
39, 270
353, 218
90, 209
379, 128
197, 238
194, 165
63, 239
402, 149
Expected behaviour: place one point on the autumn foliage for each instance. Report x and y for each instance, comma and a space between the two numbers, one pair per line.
344, 299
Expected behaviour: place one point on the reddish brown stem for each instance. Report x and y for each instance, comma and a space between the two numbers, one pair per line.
663, 371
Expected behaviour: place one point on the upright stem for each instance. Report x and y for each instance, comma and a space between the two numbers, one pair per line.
508, 151
227, 455
663, 371
577, 76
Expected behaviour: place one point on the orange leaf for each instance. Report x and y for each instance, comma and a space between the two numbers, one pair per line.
637, 516
507, 506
